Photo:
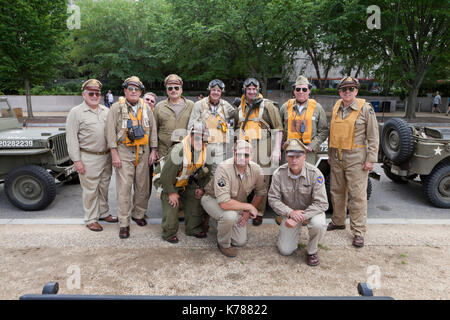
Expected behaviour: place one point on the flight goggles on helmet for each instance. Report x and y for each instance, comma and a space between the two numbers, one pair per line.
216, 82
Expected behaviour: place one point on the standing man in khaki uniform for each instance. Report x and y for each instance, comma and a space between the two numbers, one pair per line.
258, 122
304, 118
298, 195
86, 143
226, 197
183, 178
352, 152
218, 115
131, 133
172, 115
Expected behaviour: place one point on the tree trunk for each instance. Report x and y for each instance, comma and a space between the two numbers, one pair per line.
28, 97
410, 112
264, 86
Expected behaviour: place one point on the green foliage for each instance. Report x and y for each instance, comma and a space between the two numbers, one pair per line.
32, 33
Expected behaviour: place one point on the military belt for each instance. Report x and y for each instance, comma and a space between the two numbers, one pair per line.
96, 153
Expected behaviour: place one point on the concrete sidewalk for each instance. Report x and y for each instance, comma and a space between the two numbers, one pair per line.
404, 261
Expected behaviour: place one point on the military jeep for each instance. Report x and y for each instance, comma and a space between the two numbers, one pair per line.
410, 151
30, 161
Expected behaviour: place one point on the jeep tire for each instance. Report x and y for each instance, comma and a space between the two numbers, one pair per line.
30, 188
437, 185
397, 140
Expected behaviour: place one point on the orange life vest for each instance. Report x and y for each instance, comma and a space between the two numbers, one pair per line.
342, 131
189, 167
295, 121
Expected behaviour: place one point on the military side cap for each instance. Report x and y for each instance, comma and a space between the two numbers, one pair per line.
173, 79
294, 147
92, 85
302, 80
242, 145
348, 82
200, 127
133, 81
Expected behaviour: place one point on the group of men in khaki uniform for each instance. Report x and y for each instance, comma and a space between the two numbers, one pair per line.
201, 167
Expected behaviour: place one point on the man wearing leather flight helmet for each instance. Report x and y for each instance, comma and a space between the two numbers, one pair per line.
131, 133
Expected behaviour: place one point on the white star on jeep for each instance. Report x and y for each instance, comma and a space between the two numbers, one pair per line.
437, 151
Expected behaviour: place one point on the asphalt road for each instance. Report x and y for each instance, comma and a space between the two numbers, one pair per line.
389, 201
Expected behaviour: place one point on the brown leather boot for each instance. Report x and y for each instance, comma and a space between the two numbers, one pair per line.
124, 232
229, 252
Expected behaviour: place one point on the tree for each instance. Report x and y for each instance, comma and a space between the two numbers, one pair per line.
32, 32
413, 36
229, 38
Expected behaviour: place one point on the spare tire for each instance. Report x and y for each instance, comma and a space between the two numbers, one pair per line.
397, 140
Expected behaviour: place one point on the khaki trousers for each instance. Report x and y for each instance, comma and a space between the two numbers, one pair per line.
133, 186
94, 185
228, 232
349, 181
288, 237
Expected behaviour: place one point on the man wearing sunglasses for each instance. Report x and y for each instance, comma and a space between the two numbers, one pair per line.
256, 120
298, 195
304, 118
226, 197
87, 146
218, 115
352, 152
132, 137
172, 115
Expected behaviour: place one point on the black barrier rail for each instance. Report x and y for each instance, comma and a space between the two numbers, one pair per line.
50, 292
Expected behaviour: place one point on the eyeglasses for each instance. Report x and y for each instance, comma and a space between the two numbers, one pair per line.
171, 88
301, 89
131, 89
149, 100
243, 155
91, 94
351, 89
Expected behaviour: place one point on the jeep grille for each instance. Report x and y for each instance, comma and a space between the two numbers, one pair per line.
58, 146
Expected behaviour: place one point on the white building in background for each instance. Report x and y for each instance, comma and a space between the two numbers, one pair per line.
304, 66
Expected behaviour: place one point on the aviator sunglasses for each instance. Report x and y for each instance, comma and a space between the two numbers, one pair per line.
171, 88
302, 89
91, 94
351, 89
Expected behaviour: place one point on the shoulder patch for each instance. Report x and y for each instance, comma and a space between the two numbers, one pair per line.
221, 183
371, 110
320, 180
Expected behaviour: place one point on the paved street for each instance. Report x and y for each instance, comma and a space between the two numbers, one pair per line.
388, 201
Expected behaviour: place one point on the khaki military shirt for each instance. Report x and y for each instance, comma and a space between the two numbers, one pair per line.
227, 183
366, 133
271, 116
85, 129
167, 122
319, 130
307, 192
197, 111
114, 126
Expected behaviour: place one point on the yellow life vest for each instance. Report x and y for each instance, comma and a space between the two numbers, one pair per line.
142, 119
253, 126
342, 131
189, 167
217, 124
295, 121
